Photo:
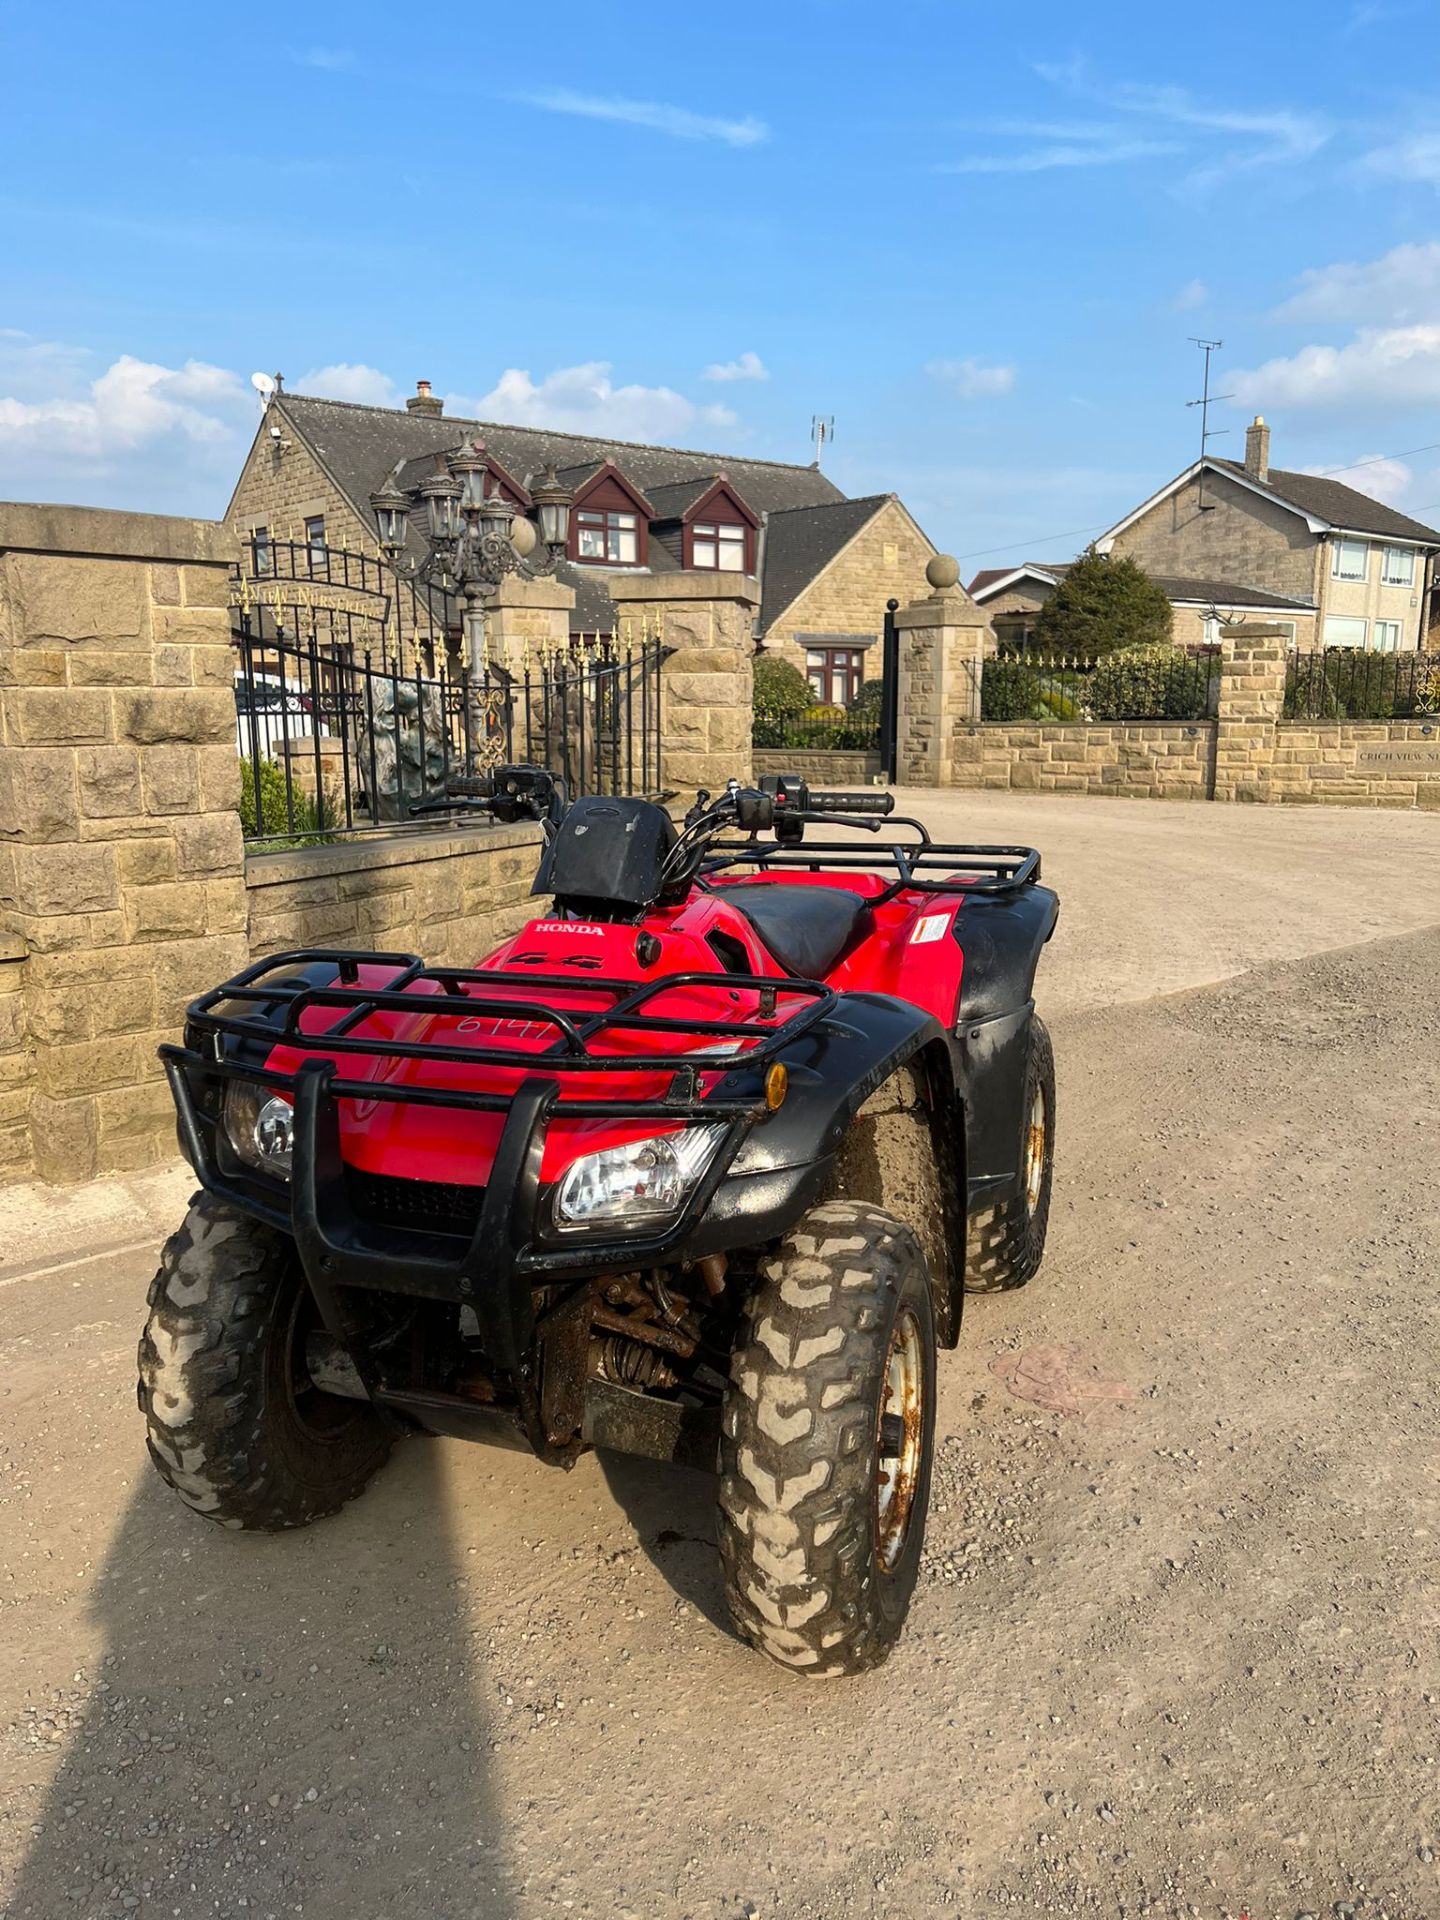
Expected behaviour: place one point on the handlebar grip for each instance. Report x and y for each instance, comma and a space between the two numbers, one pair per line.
850, 802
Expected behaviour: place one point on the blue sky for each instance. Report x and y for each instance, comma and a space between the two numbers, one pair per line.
980, 237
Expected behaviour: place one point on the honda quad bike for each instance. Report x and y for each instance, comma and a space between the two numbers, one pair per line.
697, 1166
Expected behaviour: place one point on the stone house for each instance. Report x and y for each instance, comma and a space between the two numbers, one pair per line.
826, 564
1229, 538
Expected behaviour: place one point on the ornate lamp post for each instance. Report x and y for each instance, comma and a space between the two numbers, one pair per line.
474, 537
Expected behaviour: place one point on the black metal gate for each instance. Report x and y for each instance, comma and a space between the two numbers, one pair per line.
352, 706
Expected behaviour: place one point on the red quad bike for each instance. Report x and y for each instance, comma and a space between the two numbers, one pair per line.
698, 1166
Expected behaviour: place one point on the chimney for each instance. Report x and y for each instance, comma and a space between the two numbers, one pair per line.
1257, 449
423, 401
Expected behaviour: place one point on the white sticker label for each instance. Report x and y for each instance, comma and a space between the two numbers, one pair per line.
932, 927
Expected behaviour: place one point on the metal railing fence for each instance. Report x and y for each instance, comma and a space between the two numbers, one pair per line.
1351, 683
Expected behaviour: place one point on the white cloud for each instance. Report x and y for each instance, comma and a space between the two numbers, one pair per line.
1193, 294
1381, 367
584, 399
972, 379
138, 434
1110, 152
748, 367
678, 122
1269, 136
1416, 158
1401, 286
348, 380
1382, 477
325, 59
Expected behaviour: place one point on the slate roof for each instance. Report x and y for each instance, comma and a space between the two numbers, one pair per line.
1331, 500
810, 518
359, 445
1219, 593
801, 543
670, 503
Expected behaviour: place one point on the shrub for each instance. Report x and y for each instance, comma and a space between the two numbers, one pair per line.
1102, 605
781, 691
1009, 690
312, 817
1149, 683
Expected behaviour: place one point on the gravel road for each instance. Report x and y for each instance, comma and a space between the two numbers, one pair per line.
1173, 1652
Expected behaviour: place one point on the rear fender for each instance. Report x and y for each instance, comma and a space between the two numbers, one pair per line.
1002, 937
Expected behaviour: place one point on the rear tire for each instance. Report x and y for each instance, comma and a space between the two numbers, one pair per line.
236, 1425
1007, 1244
827, 1442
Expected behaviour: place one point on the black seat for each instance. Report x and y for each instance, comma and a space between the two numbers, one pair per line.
806, 928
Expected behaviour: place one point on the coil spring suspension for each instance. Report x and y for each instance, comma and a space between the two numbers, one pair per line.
629, 1364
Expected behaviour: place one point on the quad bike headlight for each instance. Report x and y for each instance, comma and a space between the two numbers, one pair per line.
260, 1127
638, 1186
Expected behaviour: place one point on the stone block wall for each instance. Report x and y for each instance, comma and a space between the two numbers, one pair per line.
121, 879
448, 895
818, 767
1143, 760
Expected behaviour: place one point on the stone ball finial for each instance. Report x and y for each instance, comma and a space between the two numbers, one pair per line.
943, 572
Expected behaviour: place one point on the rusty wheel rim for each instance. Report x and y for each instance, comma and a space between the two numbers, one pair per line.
900, 1429
1035, 1139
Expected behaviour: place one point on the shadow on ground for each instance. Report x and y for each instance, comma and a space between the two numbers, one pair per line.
279, 1723
672, 1512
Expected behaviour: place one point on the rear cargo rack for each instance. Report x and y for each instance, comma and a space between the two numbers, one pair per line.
980, 870
756, 1037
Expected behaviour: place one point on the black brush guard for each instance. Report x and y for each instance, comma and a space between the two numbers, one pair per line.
496, 1267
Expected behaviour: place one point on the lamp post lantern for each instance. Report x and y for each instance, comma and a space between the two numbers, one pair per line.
473, 534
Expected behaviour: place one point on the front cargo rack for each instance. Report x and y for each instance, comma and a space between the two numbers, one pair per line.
446, 993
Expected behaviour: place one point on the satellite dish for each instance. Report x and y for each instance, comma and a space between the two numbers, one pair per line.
263, 384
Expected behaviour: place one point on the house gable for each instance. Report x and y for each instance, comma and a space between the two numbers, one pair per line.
1237, 531
840, 600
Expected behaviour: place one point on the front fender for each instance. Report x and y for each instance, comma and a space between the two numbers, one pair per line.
833, 1069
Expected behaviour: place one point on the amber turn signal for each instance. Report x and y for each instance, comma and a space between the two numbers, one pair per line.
777, 1081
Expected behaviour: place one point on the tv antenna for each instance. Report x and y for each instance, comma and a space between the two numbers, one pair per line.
822, 431
267, 385
1207, 432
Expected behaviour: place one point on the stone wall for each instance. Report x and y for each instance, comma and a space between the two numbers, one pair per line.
819, 768
449, 895
120, 853
1143, 760
886, 560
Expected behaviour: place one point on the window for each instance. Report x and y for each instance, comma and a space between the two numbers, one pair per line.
260, 550
1387, 636
835, 674
606, 536
315, 547
1351, 560
720, 547
1397, 567
1343, 632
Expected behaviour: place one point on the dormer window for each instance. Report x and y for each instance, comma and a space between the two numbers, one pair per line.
715, 545
602, 534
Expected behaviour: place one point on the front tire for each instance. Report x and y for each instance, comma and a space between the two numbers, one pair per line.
1007, 1245
236, 1425
827, 1443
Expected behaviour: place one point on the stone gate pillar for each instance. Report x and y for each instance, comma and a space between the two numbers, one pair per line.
1253, 663
121, 886
943, 642
527, 617
708, 680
